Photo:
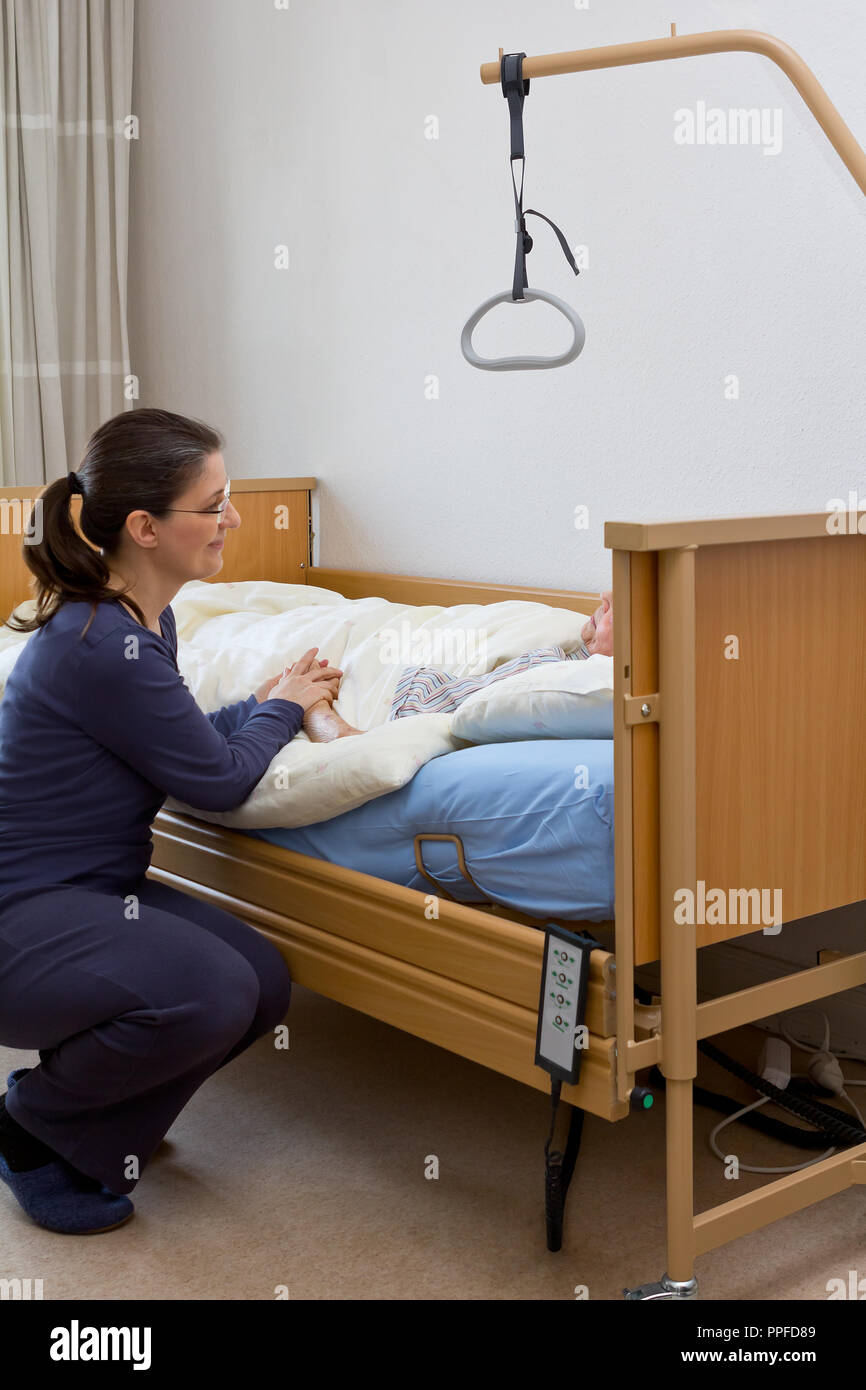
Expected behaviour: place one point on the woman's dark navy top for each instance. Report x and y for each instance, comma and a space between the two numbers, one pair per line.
96, 731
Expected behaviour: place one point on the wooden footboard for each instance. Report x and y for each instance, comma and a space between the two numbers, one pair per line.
763, 624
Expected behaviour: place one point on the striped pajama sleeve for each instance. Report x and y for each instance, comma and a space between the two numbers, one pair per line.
427, 690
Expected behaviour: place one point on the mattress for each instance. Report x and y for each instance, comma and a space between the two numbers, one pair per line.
535, 819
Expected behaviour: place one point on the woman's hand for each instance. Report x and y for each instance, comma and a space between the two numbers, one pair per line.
264, 690
307, 681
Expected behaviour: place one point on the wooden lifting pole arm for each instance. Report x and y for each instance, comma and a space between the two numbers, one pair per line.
692, 46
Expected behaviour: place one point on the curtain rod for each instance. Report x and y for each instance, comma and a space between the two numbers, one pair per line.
692, 46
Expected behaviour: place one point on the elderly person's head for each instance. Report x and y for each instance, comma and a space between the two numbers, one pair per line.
597, 633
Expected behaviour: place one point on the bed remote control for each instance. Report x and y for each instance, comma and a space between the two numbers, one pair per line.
562, 1003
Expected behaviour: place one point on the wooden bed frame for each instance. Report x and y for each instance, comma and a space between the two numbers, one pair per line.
740, 772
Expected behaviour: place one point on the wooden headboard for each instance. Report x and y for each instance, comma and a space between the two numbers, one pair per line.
272, 542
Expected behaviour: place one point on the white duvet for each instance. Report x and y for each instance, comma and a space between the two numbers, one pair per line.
232, 637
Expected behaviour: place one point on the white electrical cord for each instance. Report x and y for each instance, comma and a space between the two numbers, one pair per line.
750, 1167
826, 1073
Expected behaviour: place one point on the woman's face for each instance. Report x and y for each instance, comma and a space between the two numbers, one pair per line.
192, 534
597, 632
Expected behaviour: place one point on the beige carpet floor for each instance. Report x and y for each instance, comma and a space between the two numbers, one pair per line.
305, 1168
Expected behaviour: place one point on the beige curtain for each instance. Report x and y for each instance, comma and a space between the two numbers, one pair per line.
65, 103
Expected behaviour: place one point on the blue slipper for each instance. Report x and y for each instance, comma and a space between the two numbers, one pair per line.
54, 1198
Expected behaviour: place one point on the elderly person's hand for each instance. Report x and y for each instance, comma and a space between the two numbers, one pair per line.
597, 632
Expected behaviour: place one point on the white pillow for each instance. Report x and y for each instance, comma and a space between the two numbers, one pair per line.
555, 699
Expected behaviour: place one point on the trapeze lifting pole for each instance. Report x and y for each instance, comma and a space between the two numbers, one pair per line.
694, 45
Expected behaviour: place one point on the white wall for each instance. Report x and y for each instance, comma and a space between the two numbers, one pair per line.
307, 127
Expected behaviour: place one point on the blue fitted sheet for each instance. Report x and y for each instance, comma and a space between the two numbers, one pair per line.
532, 840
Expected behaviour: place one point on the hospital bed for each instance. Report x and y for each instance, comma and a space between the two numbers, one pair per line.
739, 757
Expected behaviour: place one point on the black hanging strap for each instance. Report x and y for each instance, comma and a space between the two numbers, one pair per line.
515, 88
559, 1168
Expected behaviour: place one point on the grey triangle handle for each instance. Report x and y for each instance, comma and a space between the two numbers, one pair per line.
517, 364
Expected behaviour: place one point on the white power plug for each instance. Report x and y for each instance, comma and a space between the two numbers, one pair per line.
775, 1064
825, 1071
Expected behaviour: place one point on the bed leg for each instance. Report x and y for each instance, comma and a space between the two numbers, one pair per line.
677, 863
679, 1178
680, 1188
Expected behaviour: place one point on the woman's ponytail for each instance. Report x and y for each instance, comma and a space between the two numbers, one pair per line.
64, 566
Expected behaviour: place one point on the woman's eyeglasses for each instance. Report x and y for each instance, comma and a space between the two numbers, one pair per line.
206, 511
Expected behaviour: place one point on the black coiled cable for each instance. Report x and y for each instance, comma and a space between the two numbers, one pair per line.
824, 1117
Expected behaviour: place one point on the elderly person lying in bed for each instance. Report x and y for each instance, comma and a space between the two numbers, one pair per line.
427, 690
